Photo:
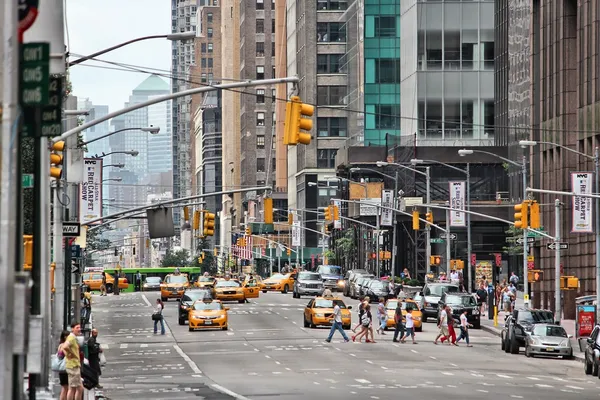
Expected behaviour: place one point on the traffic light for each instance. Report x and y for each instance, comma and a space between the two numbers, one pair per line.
196, 219
429, 217
457, 264
215, 252
569, 282
289, 252
329, 213
534, 215
327, 228
209, 224
535, 275
521, 211
294, 123
56, 159
203, 256
248, 230
336, 213
415, 220
268, 210
186, 213
27, 252
290, 218
435, 260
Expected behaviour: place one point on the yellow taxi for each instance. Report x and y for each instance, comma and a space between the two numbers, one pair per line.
258, 282
280, 282
231, 290
173, 286
205, 281
94, 281
407, 304
207, 314
319, 311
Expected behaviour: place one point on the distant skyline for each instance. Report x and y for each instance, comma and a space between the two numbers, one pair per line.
93, 26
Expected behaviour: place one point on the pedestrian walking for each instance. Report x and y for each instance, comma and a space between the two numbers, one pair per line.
398, 319
138, 281
381, 316
410, 327
103, 285
71, 350
366, 321
443, 327
451, 332
157, 317
63, 377
481, 298
94, 351
361, 310
336, 323
464, 329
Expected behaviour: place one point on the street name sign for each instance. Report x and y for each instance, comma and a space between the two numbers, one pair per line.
35, 73
561, 246
27, 181
71, 229
52, 113
436, 240
453, 236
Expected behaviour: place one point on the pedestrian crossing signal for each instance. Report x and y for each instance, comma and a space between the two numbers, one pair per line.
435, 260
535, 275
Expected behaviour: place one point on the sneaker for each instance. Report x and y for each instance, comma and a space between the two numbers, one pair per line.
346, 340
395, 341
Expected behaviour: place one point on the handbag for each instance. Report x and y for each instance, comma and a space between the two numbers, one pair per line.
156, 317
102, 359
58, 364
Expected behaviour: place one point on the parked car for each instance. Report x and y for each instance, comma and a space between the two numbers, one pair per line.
354, 289
548, 340
519, 324
592, 352
377, 288
308, 284
349, 277
459, 302
362, 285
432, 292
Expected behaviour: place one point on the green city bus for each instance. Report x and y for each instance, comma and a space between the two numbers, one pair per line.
130, 273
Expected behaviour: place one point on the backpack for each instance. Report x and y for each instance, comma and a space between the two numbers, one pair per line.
364, 320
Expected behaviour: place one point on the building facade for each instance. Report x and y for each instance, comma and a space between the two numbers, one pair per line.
96, 131
160, 147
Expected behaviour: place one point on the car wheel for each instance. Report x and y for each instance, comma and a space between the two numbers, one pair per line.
109, 288
181, 321
163, 298
191, 330
241, 301
502, 341
264, 291
312, 323
424, 319
514, 346
306, 324
587, 367
419, 329
298, 296
527, 351
594, 369
225, 328
506, 344
477, 325
346, 327
285, 289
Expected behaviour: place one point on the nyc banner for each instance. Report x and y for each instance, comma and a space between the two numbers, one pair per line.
457, 202
582, 206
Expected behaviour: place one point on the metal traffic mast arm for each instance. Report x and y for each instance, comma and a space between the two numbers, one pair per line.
344, 218
273, 241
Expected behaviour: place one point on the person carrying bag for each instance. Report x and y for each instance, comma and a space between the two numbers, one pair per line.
158, 316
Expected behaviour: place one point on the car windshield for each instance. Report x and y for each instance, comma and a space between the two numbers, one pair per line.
153, 279
329, 270
391, 305
309, 276
322, 303
439, 290
213, 305
461, 300
277, 277
206, 279
176, 279
410, 306
379, 285
194, 295
227, 284
535, 317
545, 330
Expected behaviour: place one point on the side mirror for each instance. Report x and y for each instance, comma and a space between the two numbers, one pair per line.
226, 309
349, 307
590, 341
570, 336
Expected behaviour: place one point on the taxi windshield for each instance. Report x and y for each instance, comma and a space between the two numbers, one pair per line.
323, 303
200, 305
276, 277
206, 279
176, 279
227, 284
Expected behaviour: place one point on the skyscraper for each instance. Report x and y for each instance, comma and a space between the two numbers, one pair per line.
160, 148
95, 112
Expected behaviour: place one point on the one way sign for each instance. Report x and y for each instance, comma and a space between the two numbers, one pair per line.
561, 246
71, 229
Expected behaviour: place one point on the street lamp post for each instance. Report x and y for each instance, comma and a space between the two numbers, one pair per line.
151, 129
114, 165
132, 153
112, 180
523, 165
596, 158
467, 172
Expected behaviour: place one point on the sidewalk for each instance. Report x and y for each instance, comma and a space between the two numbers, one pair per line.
487, 325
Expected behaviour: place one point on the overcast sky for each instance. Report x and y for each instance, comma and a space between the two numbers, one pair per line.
96, 25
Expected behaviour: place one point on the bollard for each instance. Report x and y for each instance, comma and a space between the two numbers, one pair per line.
496, 316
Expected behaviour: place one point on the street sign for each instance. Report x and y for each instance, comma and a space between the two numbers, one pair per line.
453, 236
52, 113
27, 181
35, 73
535, 234
436, 240
75, 268
71, 229
530, 239
561, 246
75, 251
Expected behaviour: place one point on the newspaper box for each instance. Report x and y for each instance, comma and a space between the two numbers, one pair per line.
585, 319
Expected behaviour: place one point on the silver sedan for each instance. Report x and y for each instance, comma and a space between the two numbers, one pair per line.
548, 340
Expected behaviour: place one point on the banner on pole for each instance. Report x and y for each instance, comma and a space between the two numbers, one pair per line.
582, 206
457, 202
296, 234
337, 224
90, 191
387, 200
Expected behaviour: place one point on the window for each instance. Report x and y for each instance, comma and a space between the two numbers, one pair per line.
260, 96
387, 70
209, 18
260, 4
260, 49
274, 145
260, 26
332, 5
260, 142
210, 62
209, 32
331, 95
387, 116
332, 127
260, 72
331, 32
210, 47
260, 165
203, 77
272, 25
326, 158
273, 95
385, 26
210, 77
260, 119
203, 47
330, 63
274, 74
203, 63
273, 48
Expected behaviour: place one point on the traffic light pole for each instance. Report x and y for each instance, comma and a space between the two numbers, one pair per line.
557, 235
428, 225
525, 232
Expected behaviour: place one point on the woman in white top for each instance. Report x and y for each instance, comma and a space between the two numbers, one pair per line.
410, 326
158, 316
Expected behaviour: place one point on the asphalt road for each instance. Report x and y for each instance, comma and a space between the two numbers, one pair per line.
268, 354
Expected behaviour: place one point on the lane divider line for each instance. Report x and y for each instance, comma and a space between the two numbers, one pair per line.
223, 390
146, 300
187, 359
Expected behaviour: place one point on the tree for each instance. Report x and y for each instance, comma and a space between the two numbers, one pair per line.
178, 259
95, 241
209, 259
346, 248
513, 248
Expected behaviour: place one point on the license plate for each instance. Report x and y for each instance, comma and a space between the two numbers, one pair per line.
549, 348
207, 322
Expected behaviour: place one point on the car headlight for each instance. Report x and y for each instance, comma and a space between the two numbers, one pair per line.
475, 311
564, 342
534, 341
320, 315
341, 282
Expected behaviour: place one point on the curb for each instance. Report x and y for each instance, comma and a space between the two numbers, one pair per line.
496, 331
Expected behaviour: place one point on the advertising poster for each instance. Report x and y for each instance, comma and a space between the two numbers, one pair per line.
582, 206
457, 202
90, 191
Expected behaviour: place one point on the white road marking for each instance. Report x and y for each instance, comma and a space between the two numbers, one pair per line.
144, 345
352, 355
277, 362
256, 350
533, 378
316, 383
454, 365
448, 373
382, 367
167, 376
362, 381
288, 369
369, 361
197, 376
352, 392
124, 345
267, 356
146, 300
374, 397
277, 372
230, 333
574, 387
482, 391
451, 386
432, 357
331, 381
503, 376
516, 396
414, 351
229, 392
543, 385
192, 364
294, 322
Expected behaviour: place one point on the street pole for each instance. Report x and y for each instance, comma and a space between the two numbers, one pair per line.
557, 308
525, 249
377, 243
395, 227
448, 242
469, 245
597, 177
427, 226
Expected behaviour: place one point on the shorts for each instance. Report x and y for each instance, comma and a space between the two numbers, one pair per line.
444, 331
507, 305
74, 377
63, 378
410, 332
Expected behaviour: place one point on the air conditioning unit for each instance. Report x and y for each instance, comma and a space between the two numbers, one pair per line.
502, 197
